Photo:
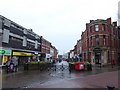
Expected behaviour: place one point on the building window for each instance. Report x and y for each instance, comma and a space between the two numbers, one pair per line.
103, 27
90, 29
90, 41
16, 39
96, 28
104, 39
97, 39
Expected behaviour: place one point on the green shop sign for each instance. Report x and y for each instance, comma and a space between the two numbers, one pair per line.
5, 52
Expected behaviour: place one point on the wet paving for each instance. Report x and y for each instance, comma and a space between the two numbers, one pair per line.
32, 78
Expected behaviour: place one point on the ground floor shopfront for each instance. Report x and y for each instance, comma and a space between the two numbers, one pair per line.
22, 56
101, 56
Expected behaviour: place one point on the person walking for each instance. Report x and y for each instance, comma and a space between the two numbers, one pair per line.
15, 61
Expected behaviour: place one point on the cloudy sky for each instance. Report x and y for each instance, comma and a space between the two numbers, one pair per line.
59, 21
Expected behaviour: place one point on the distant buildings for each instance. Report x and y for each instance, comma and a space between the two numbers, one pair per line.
99, 43
17, 41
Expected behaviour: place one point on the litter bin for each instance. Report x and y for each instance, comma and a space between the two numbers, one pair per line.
79, 66
89, 67
26, 66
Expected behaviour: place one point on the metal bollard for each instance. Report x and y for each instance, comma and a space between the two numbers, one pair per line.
62, 67
55, 67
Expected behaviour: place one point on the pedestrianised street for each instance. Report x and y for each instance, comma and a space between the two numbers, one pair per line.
62, 78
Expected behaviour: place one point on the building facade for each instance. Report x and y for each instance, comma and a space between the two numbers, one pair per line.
45, 49
53, 53
100, 42
17, 41
118, 44
55, 56
79, 50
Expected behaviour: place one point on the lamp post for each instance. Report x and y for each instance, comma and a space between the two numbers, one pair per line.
111, 50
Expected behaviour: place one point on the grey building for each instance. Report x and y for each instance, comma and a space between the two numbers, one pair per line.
17, 41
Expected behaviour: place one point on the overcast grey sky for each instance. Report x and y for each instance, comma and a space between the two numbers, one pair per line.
59, 21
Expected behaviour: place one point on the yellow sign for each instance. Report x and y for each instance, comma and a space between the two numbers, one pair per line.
5, 59
22, 54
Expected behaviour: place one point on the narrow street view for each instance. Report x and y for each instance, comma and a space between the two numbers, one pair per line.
59, 44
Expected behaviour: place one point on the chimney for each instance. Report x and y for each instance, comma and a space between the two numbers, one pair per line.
87, 26
109, 20
114, 23
91, 21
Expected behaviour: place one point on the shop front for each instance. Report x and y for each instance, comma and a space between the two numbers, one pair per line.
4, 55
22, 56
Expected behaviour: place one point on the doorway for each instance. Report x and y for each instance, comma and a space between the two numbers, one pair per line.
97, 57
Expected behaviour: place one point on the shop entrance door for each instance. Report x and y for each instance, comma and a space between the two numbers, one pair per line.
97, 58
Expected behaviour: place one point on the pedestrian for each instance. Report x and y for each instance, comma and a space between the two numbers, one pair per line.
7, 66
70, 67
15, 61
11, 66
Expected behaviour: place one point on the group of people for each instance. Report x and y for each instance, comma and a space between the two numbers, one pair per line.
12, 64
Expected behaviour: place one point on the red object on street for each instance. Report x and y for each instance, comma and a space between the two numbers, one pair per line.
79, 66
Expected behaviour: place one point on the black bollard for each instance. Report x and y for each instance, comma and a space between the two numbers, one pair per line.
69, 70
70, 67
55, 67
62, 67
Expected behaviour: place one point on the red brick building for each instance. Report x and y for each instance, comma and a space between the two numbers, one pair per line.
118, 45
55, 53
100, 43
47, 50
79, 49
45, 46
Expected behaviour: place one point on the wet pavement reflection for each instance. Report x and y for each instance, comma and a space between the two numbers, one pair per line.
31, 78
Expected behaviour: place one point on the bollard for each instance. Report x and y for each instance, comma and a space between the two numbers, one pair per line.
70, 67
62, 67
69, 70
55, 67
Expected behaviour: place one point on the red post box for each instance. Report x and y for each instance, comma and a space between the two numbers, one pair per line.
79, 66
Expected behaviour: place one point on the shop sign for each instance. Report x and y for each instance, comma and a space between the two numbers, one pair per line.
5, 52
22, 54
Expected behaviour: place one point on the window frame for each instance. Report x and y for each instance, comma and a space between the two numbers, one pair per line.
97, 40
96, 27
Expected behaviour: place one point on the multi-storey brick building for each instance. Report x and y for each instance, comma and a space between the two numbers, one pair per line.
45, 48
55, 53
79, 49
118, 44
100, 42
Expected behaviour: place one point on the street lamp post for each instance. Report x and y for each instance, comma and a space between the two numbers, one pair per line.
111, 50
